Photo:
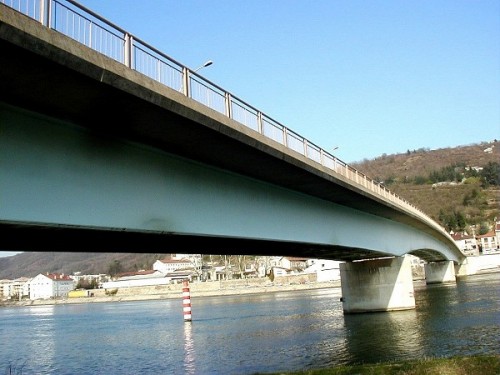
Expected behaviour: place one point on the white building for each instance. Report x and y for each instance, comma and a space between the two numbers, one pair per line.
50, 285
487, 242
466, 243
170, 265
137, 279
325, 269
17, 288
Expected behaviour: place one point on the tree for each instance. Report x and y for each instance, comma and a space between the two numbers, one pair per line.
484, 228
491, 174
115, 268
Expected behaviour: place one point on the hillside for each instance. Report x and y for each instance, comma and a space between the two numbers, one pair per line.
447, 183
411, 175
423, 161
30, 264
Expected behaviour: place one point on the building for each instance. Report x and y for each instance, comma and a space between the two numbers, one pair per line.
295, 264
14, 289
50, 285
465, 242
168, 265
488, 243
137, 279
325, 269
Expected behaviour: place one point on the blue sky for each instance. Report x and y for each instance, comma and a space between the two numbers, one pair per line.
368, 77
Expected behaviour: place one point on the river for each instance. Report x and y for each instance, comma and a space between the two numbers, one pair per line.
283, 331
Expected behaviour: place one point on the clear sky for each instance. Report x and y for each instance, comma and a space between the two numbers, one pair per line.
368, 77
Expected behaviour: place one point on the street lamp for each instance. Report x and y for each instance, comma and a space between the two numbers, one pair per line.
208, 63
185, 76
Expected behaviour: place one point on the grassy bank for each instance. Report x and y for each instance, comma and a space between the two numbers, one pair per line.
480, 365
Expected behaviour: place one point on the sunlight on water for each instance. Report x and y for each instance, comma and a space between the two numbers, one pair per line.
189, 354
245, 334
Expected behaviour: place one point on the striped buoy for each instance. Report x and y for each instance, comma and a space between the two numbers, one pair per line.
186, 301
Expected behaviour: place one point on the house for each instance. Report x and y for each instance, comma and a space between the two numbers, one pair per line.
488, 243
277, 271
50, 285
17, 288
325, 269
465, 242
294, 263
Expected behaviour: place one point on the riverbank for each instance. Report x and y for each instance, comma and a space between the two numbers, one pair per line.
475, 365
201, 289
206, 289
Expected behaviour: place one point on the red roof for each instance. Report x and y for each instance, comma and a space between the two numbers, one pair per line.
58, 277
461, 236
489, 234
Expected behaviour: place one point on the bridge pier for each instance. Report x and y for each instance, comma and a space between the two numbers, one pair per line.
377, 285
440, 272
466, 268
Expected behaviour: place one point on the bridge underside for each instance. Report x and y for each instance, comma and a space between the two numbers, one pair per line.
38, 237
67, 188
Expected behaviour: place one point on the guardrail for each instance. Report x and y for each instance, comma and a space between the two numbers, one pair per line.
83, 25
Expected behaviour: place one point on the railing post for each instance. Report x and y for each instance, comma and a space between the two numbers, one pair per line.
127, 50
260, 128
45, 11
304, 142
285, 136
227, 98
185, 81
158, 70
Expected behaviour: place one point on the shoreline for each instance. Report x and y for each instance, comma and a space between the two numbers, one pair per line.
177, 294
231, 288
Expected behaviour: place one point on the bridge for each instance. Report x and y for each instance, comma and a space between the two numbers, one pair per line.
107, 144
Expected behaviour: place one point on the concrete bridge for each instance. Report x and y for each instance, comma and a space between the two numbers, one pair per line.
107, 144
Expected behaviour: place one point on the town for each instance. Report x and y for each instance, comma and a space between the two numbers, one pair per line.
255, 271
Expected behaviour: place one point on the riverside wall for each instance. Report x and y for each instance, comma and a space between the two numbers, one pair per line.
197, 289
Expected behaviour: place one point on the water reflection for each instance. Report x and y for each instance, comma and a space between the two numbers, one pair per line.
189, 365
368, 335
41, 347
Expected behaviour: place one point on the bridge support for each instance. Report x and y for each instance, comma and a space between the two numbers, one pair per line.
377, 285
467, 267
440, 272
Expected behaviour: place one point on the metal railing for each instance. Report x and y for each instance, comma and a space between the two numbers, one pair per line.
83, 25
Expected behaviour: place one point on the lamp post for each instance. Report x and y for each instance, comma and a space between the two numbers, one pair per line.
185, 76
207, 63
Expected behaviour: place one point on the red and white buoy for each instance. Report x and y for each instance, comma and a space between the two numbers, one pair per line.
186, 301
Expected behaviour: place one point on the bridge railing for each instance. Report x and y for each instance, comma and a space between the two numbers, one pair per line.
83, 25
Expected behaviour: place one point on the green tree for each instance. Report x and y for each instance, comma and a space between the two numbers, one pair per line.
461, 222
115, 268
491, 173
484, 228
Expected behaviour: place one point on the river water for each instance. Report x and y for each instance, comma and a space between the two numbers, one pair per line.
271, 332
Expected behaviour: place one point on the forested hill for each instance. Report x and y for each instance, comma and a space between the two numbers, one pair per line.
422, 162
458, 187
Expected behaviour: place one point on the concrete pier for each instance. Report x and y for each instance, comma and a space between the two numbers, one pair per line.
377, 285
440, 272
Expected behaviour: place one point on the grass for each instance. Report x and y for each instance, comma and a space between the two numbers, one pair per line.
480, 365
